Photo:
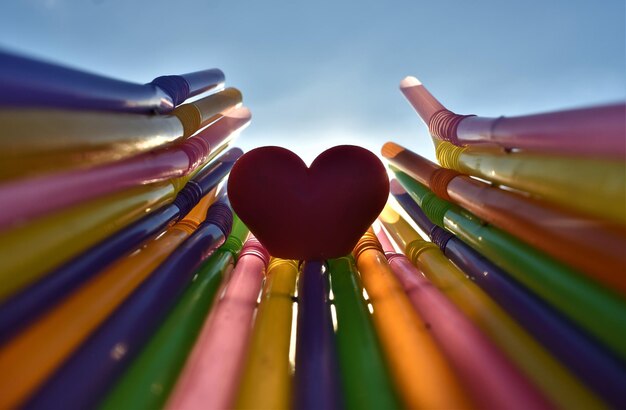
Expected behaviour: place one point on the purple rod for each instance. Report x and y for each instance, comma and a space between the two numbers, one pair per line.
317, 378
26, 82
21, 309
594, 365
88, 374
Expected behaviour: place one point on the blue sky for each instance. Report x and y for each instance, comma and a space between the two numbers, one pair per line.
321, 73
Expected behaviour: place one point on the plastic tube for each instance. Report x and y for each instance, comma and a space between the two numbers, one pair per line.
151, 376
27, 253
21, 200
577, 240
537, 364
32, 83
594, 308
38, 141
492, 381
69, 324
584, 357
317, 374
211, 374
590, 131
266, 380
19, 310
83, 380
365, 380
422, 375
599, 185
420, 98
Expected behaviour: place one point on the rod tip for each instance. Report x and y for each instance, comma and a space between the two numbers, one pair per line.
232, 92
391, 150
395, 188
239, 113
410, 81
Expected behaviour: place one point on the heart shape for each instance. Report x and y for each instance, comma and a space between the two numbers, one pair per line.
308, 213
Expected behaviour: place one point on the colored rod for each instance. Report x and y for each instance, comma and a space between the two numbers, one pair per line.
420, 98
594, 308
36, 141
555, 382
151, 376
22, 199
84, 379
422, 375
590, 131
63, 329
492, 380
605, 374
577, 240
266, 380
365, 378
317, 380
598, 184
26, 305
211, 374
27, 82
28, 252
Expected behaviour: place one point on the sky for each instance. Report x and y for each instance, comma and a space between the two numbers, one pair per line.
322, 73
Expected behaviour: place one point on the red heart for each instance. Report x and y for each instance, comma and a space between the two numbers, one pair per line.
308, 213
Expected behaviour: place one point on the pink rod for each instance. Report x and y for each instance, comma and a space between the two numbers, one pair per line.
592, 131
382, 236
420, 98
492, 380
211, 375
25, 199
589, 131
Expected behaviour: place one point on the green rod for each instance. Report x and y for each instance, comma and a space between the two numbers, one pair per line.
152, 375
364, 375
597, 310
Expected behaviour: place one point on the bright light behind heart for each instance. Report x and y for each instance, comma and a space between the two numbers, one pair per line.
309, 144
